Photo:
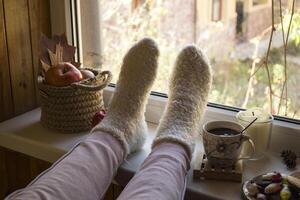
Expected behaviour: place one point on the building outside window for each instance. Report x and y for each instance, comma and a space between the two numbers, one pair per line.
216, 10
239, 79
259, 2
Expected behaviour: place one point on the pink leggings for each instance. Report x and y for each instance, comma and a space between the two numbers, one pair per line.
87, 170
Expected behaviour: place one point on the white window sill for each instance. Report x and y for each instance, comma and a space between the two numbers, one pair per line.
26, 135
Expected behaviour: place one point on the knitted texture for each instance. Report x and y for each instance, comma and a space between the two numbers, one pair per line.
125, 118
188, 91
70, 109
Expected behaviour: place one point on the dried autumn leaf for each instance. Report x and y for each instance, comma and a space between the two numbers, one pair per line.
57, 57
56, 50
47, 43
53, 58
69, 52
45, 66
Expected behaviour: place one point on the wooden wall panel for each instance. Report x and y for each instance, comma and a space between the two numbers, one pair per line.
6, 104
109, 193
39, 15
117, 189
20, 55
3, 175
17, 170
37, 166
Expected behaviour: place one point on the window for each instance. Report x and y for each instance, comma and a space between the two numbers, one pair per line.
216, 10
240, 76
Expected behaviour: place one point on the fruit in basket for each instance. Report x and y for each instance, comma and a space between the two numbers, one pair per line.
55, 51
98, 117
87, 74
62, 74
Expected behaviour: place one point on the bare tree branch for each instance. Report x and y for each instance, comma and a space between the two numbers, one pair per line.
284, 49
267, 59
285, 41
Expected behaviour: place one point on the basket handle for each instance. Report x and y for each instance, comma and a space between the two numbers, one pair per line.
100, 86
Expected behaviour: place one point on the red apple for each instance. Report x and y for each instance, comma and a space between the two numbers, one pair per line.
98, 117
87, 74
63, 74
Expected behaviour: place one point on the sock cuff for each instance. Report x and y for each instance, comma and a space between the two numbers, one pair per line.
188, 146
116, 133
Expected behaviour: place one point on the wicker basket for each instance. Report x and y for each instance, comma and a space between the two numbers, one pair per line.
71, 109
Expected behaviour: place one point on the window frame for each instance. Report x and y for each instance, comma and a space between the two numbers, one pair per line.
157, 100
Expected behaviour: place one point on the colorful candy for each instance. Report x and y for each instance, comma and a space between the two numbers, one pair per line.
263, 183
268, 176
276, 178
274, 184
285, 193
273, 188
294, 181
261, 196
252, 189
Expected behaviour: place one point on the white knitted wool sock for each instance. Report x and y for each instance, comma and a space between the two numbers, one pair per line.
125, 118
188, 91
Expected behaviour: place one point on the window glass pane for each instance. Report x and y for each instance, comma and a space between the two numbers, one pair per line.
237, 47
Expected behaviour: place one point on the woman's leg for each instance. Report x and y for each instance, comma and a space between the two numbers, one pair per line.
87, 170
162, 175
83, 173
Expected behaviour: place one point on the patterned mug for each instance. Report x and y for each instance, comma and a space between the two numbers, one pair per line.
223, 149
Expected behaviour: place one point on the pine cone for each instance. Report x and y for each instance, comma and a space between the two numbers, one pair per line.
289, 158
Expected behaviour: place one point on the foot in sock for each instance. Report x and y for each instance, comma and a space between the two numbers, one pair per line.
125, 118
188, 91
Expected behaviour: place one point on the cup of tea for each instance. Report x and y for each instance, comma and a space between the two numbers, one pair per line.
222, 141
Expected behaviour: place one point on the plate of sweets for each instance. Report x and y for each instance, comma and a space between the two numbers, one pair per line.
272, 186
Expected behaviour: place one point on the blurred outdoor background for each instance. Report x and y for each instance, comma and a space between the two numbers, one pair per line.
233, 33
